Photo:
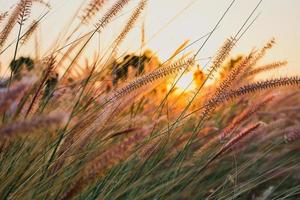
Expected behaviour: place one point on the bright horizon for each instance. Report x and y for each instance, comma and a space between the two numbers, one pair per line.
166, 27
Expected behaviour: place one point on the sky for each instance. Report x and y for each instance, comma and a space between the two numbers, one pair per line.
168, 23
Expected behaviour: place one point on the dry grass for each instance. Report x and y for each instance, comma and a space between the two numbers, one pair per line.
123, 129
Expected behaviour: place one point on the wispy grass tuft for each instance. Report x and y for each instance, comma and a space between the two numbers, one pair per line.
78, 125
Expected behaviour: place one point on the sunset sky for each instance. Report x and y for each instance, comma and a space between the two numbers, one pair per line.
168, 23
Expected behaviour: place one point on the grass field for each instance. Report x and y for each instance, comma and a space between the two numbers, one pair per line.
127, 125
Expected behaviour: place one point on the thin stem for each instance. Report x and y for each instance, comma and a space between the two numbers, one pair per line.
15, 54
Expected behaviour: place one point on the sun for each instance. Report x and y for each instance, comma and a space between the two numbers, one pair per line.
187, 82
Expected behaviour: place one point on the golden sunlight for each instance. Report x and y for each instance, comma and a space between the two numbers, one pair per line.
187, 82
149, 99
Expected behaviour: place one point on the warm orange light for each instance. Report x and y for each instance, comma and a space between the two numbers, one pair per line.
186, 83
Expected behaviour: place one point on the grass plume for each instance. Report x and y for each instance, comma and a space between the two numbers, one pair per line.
82, 118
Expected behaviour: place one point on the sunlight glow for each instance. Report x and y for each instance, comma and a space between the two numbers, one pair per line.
187, 82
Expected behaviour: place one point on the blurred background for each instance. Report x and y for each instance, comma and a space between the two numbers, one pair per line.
169, 23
